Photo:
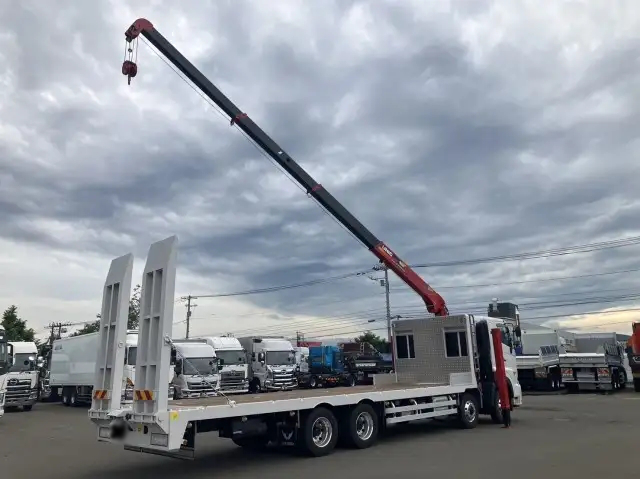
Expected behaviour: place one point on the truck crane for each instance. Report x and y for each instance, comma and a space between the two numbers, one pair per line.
434, 302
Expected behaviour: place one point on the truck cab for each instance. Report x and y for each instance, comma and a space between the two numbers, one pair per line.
22, 378
196, 369
4, 367
510, 340
232, 364
272, 363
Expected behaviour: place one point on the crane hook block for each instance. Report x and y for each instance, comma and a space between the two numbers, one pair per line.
130, 69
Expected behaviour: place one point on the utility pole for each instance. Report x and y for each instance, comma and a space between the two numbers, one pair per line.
385, 282
190, 306
386, 295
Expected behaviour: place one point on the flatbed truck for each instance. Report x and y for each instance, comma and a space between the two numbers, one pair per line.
445, 366
599, 371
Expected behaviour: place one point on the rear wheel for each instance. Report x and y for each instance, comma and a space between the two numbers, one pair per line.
28, 407
73, 399
361, 427
468, 411
319, 433
622, 375
66, 396
313, 382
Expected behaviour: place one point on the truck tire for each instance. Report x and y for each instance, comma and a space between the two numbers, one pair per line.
313, 382
319, 433
468, 411
622, 378
73, 398
66, 396
360, 428
352, 381
496, 412
27, 407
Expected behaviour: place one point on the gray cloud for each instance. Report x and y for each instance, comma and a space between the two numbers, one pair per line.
449, 143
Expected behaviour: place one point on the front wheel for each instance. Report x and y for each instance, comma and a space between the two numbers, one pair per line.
497, 416
319, 433
468, 411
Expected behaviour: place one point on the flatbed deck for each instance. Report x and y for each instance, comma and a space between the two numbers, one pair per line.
294, 394
282, 401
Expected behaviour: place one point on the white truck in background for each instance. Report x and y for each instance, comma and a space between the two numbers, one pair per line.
73, 363
538, 359
271, 363
445, 366
595, 361
196, 370
22, 379
4, 368
232, 363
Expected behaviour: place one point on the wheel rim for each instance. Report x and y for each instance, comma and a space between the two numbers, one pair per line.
364, 426
470, 411
322, 431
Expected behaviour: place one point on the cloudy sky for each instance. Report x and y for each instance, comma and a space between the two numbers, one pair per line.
453, 129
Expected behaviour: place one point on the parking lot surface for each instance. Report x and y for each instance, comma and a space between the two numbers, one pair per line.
569, 436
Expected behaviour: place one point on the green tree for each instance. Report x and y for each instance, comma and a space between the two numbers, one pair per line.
134, 309
15, 327
381, 344
133, 320
88, 328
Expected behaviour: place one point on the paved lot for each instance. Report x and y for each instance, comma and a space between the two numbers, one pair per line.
552, 436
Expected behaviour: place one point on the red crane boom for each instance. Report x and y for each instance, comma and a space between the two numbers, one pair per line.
434, 302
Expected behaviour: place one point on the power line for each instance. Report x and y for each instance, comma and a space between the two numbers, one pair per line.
364, 272
584, 248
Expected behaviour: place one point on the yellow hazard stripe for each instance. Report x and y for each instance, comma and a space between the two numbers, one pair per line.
143, 395
100, 394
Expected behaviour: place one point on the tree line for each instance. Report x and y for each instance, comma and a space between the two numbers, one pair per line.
16, 328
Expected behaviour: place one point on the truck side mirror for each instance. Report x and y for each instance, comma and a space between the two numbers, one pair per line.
220, 362
261, 357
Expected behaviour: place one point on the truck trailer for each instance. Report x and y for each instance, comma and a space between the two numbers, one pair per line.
445, 366
73, 364
23, 376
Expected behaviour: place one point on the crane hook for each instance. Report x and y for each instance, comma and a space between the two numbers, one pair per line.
130, 69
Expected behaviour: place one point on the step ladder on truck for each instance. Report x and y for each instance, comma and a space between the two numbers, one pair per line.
445, 366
